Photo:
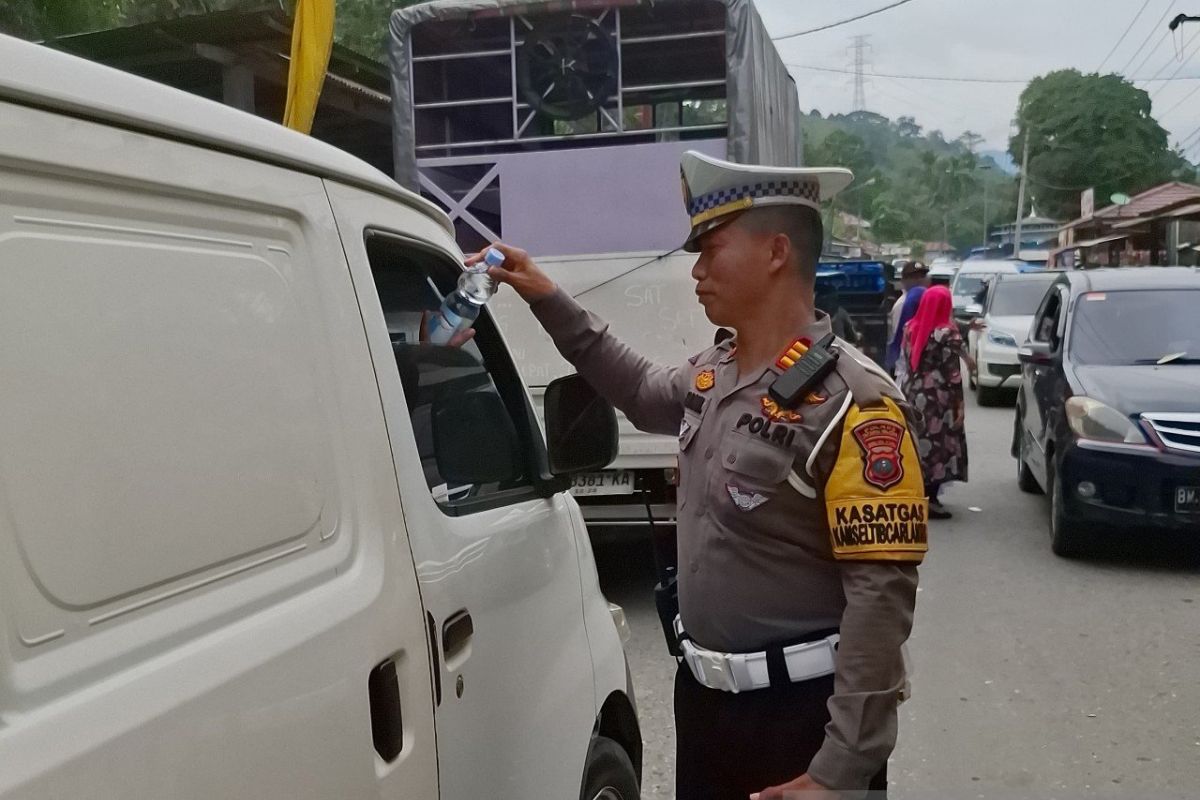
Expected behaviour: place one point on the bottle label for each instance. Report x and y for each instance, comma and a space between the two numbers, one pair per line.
442, 325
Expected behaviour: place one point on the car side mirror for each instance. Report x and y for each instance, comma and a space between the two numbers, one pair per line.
474, 439
581, 427
1033, 352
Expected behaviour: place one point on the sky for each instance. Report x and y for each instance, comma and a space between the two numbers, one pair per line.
992, 39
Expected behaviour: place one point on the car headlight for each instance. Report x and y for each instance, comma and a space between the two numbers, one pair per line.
1001, 338
1091, 419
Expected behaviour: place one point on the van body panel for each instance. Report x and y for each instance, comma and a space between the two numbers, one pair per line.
522, 724
202, 551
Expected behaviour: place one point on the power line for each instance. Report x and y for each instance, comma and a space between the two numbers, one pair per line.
1128, 28
950, 79
1186, 97
1182, 63
1149, 55
1149, 36
840, 22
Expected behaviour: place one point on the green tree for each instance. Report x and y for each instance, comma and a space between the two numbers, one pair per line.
1090, 131
908, 127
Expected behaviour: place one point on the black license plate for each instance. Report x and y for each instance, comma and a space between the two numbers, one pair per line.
1187, 500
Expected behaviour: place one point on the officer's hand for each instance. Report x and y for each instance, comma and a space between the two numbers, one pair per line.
519, 272
457, 340
803, 788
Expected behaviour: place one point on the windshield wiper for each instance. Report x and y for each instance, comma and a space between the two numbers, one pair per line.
1172, 358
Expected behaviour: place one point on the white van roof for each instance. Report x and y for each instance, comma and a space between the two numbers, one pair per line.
39, 76
990, 265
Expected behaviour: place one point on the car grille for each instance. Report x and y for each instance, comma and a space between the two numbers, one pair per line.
1177, 431
1003, 370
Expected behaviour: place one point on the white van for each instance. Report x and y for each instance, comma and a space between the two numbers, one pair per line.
255, 540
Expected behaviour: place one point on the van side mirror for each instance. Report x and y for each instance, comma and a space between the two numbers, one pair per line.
581, 427
474, 440
1034, 352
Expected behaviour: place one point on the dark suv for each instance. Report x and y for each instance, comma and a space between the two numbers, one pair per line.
1108, 415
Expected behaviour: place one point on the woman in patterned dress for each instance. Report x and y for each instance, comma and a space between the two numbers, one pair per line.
933, 385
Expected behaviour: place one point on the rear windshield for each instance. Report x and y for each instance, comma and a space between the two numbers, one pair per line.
969, 285
1136, 327
1019, 298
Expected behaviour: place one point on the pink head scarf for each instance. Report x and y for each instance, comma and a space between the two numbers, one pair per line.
933, 313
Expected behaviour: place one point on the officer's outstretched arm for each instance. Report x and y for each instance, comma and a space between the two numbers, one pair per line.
877, 510
650, 395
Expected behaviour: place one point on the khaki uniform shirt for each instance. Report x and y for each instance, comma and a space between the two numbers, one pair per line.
790, 521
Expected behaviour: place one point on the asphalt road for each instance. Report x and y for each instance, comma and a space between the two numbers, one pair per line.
1033, 676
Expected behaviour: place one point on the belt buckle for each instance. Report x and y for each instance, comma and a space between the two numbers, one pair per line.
711, 669
805, 654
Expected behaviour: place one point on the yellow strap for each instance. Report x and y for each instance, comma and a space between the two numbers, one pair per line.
722, 210
312, 41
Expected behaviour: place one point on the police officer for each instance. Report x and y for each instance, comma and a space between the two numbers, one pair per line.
800, 524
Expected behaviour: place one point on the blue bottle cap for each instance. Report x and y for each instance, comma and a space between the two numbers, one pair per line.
493, 257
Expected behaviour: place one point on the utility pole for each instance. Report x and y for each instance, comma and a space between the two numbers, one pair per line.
1016, 253
985, 207
860, 47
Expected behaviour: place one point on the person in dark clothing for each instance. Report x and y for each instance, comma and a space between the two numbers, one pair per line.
830, 302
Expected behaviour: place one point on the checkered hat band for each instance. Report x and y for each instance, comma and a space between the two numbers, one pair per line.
807, 190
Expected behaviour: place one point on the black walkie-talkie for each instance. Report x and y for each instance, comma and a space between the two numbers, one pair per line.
802, 377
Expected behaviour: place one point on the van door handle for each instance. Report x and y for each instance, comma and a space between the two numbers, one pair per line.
457, 632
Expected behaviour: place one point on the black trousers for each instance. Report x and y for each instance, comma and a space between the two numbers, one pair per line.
730, 745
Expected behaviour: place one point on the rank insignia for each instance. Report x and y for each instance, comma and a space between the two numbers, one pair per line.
773, 412
793, 353
745, 501
705, 380
879, 440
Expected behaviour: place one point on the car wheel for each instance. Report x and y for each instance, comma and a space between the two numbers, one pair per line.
1025, 480
1066, 539
609, 774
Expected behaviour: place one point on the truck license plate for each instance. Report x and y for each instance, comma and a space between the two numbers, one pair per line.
1187, 500
590, 484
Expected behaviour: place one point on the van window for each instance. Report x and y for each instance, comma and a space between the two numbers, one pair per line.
439, 381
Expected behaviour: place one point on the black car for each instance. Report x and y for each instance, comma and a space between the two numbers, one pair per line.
1108, 415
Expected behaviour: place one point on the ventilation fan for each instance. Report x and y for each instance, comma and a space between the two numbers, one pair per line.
567, 69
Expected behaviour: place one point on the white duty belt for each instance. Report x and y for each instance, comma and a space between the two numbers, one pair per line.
745, 672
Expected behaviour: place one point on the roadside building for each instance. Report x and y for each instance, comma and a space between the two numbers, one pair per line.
1038, 235
1158, 226
241, 58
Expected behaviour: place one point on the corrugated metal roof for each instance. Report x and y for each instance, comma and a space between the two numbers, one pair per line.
1152, 201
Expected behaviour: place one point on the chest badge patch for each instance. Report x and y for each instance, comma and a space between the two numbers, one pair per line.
706, 380
772, 411
745, 501
879, 439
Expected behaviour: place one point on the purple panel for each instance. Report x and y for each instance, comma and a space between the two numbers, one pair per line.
624, 198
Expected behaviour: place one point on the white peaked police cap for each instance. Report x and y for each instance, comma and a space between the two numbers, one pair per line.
715, 191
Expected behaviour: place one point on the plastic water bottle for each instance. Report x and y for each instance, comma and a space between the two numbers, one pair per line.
461, 307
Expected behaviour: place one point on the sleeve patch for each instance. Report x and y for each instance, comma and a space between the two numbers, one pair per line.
875, 495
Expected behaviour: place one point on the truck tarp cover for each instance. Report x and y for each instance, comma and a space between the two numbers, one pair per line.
763, 106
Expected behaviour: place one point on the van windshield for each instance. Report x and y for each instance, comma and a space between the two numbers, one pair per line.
967, 286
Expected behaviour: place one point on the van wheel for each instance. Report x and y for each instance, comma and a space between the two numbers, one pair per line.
1025, 480
609, 774
1066, 540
